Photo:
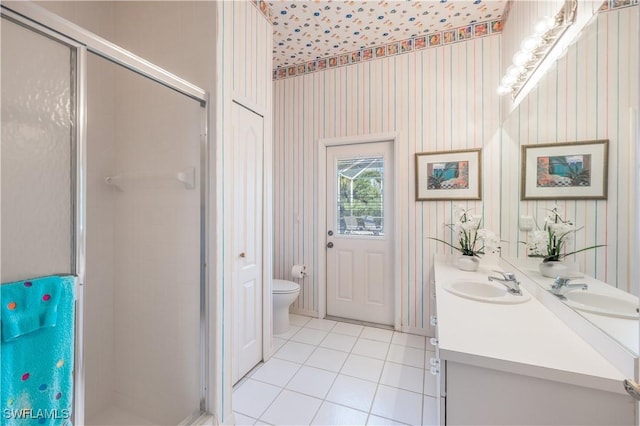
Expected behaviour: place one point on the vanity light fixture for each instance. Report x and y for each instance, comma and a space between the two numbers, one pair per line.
535, 48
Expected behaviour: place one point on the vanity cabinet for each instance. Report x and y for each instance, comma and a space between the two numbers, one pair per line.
517, 364
482, 396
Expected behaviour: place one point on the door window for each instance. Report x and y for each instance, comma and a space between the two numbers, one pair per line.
360, 196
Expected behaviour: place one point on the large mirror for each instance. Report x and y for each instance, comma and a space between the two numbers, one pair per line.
590, 94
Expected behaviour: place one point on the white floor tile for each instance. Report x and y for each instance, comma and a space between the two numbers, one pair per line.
364, 374
430, 411
348, 329
295, 352
339, 342
398, 404
412, 340
327, 359
371, 348
309, 336
253, 397
299, 320
291, 408
276, 372
403, 377
363, 367
277, 343
293, 329
312, 381
352, 392
377, 334
381, 421
321, 324
406, 355
242, 420
332, 414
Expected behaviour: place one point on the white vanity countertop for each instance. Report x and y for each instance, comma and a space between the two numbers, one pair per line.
524, 338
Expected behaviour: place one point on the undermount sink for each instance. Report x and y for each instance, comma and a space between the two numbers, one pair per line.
602, 304
484, 292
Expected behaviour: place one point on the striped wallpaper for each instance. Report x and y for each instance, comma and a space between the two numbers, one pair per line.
587, 96
436, 99
244, 45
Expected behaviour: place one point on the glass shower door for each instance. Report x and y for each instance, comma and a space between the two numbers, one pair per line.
144, 241
38, 150
38, 147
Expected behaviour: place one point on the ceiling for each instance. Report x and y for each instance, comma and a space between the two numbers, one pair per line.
306, 30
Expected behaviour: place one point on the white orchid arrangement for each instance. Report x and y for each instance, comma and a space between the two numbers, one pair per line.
469, 234
550, 241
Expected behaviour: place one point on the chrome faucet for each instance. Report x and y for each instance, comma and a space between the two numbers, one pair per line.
508, 280
561, 286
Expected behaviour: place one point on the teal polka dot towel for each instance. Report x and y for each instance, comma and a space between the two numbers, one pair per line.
37, 338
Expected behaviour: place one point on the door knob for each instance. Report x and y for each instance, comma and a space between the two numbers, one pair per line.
330, 244
243, 254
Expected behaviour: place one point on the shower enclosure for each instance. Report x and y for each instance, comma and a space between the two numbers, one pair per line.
103, 176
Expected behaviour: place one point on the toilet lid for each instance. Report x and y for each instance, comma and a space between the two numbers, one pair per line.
284, 286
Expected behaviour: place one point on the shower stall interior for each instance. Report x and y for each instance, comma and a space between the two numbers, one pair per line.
103, 169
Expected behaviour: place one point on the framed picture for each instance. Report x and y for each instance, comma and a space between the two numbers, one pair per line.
451, 175
565, 171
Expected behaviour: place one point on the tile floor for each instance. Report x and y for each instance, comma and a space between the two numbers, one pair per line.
334, 373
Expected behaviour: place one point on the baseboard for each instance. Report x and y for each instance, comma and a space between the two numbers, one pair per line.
305, 312
358, 322
415, 330
205, 419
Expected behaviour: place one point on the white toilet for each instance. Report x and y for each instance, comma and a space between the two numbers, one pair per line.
284, 294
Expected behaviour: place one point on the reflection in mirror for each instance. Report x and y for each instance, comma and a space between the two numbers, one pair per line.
612, 310
590, 94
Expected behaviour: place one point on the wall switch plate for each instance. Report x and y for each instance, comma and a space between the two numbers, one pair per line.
526, 223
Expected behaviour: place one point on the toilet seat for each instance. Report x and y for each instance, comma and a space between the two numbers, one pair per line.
284, 287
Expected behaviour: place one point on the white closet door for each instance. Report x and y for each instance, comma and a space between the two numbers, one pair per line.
247, 164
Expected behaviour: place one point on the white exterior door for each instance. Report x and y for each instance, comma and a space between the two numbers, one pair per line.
359, 233
247, 239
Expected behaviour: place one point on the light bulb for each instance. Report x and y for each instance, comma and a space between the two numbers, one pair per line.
544, 25
521, 58
503, 90
530, 43
508, 80
514, 71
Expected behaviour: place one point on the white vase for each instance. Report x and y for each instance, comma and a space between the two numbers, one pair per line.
553, 269
467, 263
